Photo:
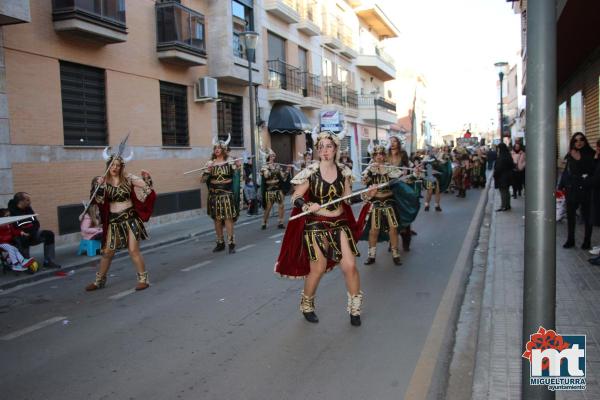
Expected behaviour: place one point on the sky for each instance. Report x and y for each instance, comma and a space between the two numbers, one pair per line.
454, 45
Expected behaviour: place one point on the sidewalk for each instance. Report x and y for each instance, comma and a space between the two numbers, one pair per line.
159, 235
497, 373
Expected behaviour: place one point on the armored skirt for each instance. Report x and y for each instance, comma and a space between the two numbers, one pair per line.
384, 214
273, 196
326, 234
119, 225
221, 202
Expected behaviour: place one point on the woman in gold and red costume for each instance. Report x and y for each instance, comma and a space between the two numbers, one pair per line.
126, 202
328, 234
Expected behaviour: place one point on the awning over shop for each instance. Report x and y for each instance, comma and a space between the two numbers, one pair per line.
288, 120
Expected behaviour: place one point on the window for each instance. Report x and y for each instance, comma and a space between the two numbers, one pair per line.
230, 119
243, 20
276, 47
173, 114
83, 104
576, 111
563, 135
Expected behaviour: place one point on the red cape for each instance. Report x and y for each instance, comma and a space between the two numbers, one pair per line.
293, 257
144, 210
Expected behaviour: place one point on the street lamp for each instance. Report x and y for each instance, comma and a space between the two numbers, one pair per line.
375, 94
500, 67
249, 39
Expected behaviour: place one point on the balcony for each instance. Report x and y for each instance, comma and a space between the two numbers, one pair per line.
285, 10
311, 84
377, 63
99, 20
308, 18
332, 31
386, 110
14, 12
376, 20
180, 35
342, 98
285, 83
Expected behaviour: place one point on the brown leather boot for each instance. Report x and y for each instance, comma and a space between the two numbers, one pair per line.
99, 283
143, 282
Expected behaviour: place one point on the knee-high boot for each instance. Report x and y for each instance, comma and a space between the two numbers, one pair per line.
307, 306
98, 283
143, 282
354, 304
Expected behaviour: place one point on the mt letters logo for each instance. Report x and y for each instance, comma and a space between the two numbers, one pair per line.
556, 361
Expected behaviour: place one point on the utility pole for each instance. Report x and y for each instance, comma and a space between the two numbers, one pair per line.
539, 283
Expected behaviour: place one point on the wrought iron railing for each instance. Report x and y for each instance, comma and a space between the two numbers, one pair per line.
177, 25
340, 94
308, 10
369, 101
284, 76
311, 85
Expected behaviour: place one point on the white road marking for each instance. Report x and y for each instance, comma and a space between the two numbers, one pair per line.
32, 328
30, 284
276, 236
246, 247
193, 267
122, 294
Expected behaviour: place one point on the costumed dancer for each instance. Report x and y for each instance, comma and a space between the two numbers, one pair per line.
222, 177
273, 178
399, 158
328, 234
384, 217
125, 201
345, 159
460, 173
306, 159
433, 171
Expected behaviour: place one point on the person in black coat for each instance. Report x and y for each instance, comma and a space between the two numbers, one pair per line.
502, 175
33, 235
491, 158
576, 180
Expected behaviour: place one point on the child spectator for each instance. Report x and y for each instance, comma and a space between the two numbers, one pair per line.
91, 225
8, 234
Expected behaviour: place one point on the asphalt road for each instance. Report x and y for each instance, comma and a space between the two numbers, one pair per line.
219, 326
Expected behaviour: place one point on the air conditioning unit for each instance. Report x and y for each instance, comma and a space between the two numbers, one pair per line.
206, 89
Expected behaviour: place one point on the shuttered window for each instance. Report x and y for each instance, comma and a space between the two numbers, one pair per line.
83, 104
230, 119
173, 112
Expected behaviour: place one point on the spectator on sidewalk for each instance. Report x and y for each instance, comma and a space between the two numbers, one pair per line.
8, 234
21, 205
576, 180
518, 177
491, 158
91, 224
250, 197
502, 175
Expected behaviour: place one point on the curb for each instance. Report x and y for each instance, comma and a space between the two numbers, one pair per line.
91, 261
430, 379
461, 371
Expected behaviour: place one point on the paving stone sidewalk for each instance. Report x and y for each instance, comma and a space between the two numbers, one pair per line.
498, 363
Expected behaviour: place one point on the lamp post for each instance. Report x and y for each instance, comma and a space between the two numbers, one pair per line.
250, 39
375, 94
500, 66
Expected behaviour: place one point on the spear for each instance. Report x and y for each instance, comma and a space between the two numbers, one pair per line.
10, 220
120, 152
214, 165
379, 186
388, 166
